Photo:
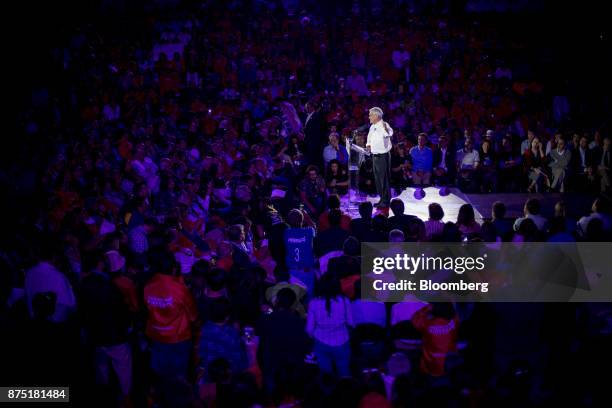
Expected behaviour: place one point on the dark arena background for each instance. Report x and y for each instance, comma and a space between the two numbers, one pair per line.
187, 184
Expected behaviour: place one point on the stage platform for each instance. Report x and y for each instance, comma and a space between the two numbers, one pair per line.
577, 204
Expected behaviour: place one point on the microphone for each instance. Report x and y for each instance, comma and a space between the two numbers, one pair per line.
361, 129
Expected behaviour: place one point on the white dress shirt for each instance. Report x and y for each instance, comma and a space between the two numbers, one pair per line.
379, 138
442, 163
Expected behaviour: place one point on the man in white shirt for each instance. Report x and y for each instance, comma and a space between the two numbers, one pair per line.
531, 210
468, 160
379, 144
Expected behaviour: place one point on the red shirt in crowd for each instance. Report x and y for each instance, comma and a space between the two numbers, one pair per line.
172, 310
439, 338
345, 222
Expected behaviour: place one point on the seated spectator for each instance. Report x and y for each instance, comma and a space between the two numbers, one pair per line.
333, 203
595, 231
400, 167
534, 164
337, 178
557, 231
439, 325
335, 151
599, 210
508, 162
603, 164
581, 165
488, 233
488, 167
172, 315
434, 225
416, 231
380, 229
468, 161
502, 224
532, 211
443, 162
396, 235
527, 232
361, 227
220, 339
552, 143
527, 143
422, 159
561, 211
560, 158
312, 191
328, 323
332, 238
466, 221
399, 220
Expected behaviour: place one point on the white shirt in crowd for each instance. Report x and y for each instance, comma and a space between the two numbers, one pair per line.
583, 223
468, 160
379, 138
538, 220
329, 328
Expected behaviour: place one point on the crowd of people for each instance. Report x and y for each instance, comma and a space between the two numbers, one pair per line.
183, 244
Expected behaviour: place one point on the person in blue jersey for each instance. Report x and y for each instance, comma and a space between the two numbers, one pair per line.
299, 249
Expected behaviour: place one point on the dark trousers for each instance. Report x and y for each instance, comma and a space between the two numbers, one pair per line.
382, 174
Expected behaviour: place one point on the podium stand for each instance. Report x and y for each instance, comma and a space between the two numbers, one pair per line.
353, 172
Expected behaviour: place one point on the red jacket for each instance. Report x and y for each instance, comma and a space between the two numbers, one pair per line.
172, 310
439, 338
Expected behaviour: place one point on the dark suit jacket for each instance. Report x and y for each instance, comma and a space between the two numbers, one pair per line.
449, 159
590, 159
283, 340
361, 229
315, 137
402, 222
597, 153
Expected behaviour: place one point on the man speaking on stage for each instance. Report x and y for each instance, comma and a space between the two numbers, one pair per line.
379, 144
